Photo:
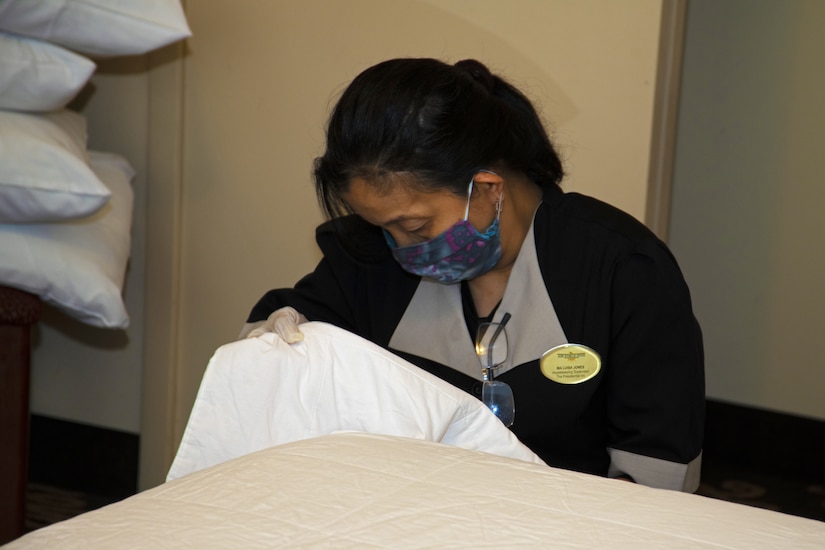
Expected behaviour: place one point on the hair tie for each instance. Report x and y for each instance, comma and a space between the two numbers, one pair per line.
478, 71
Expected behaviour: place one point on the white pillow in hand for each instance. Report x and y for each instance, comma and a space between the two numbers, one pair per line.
261, 392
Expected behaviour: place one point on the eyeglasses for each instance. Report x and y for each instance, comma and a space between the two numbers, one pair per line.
492, 351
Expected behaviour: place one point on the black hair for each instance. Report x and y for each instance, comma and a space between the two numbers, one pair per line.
436, 122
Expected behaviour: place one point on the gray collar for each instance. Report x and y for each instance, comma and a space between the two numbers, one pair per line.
433, 325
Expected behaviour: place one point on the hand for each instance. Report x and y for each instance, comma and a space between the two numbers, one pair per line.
283, 322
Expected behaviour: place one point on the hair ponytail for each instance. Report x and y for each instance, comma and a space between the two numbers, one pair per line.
478, 72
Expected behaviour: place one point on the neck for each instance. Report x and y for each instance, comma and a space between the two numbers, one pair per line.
521, 199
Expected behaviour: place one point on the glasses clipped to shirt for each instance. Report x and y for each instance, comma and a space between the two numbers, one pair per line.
492, 351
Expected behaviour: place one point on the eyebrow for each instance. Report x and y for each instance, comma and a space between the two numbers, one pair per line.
403, 218
399, 219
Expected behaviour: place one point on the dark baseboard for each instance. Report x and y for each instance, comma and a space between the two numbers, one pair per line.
79, 457
764, 440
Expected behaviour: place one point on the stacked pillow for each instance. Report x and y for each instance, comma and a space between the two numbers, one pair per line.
66, 212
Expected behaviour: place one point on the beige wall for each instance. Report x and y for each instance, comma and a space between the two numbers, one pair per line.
747, 220
233, 127
223, 143
259, 81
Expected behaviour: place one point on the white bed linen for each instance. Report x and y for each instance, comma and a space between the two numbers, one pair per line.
261, 392
352, 490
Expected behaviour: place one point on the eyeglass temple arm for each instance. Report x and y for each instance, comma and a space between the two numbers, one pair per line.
499, 328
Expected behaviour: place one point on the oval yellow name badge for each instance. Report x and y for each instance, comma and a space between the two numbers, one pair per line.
570, 363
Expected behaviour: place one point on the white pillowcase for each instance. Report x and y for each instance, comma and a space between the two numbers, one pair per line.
98, 27
38, 76
261, 392
77, 266
44, 168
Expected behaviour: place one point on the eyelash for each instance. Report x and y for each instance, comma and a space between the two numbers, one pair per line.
416, 235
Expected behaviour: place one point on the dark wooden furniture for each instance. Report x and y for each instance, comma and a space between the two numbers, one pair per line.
19, 312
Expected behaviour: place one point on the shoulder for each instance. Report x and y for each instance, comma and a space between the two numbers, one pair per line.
593, 225
353, 237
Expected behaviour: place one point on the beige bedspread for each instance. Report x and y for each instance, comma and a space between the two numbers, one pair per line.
355, 490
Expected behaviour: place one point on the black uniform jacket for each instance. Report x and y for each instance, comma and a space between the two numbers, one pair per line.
614, 287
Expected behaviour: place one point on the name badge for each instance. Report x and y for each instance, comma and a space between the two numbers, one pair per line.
570, 363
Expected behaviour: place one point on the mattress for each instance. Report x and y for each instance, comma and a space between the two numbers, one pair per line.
358, 490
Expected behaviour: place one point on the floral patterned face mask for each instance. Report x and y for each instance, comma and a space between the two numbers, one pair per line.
460, 253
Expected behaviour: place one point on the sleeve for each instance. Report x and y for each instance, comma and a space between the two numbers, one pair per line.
317, 295
656, 388
355, 286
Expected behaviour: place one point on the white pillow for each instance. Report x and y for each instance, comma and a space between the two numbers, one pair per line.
261, 392
44, 168
38, 76
98, 27
77, 266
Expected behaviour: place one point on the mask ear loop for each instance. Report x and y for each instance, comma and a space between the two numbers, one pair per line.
470, 194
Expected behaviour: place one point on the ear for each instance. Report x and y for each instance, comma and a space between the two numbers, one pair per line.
489, 184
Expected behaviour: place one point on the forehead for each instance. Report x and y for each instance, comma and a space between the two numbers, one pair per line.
396, 201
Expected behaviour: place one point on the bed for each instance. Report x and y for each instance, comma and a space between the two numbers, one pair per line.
65, 210
358, 490
336, 443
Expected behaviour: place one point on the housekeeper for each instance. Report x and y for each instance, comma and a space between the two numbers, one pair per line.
445, 210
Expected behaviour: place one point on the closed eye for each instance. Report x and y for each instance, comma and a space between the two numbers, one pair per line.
410, 232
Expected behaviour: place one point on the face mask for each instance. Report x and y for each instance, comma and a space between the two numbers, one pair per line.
460, 253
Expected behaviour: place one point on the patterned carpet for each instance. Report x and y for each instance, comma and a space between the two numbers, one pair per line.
798, 497
46, 505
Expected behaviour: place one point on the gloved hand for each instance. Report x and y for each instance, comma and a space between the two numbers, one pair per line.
283, 322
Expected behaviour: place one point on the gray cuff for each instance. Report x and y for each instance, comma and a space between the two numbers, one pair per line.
655, 472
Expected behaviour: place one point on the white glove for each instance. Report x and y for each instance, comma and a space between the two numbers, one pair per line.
283, 322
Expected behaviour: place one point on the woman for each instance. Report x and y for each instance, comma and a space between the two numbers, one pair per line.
442, 189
